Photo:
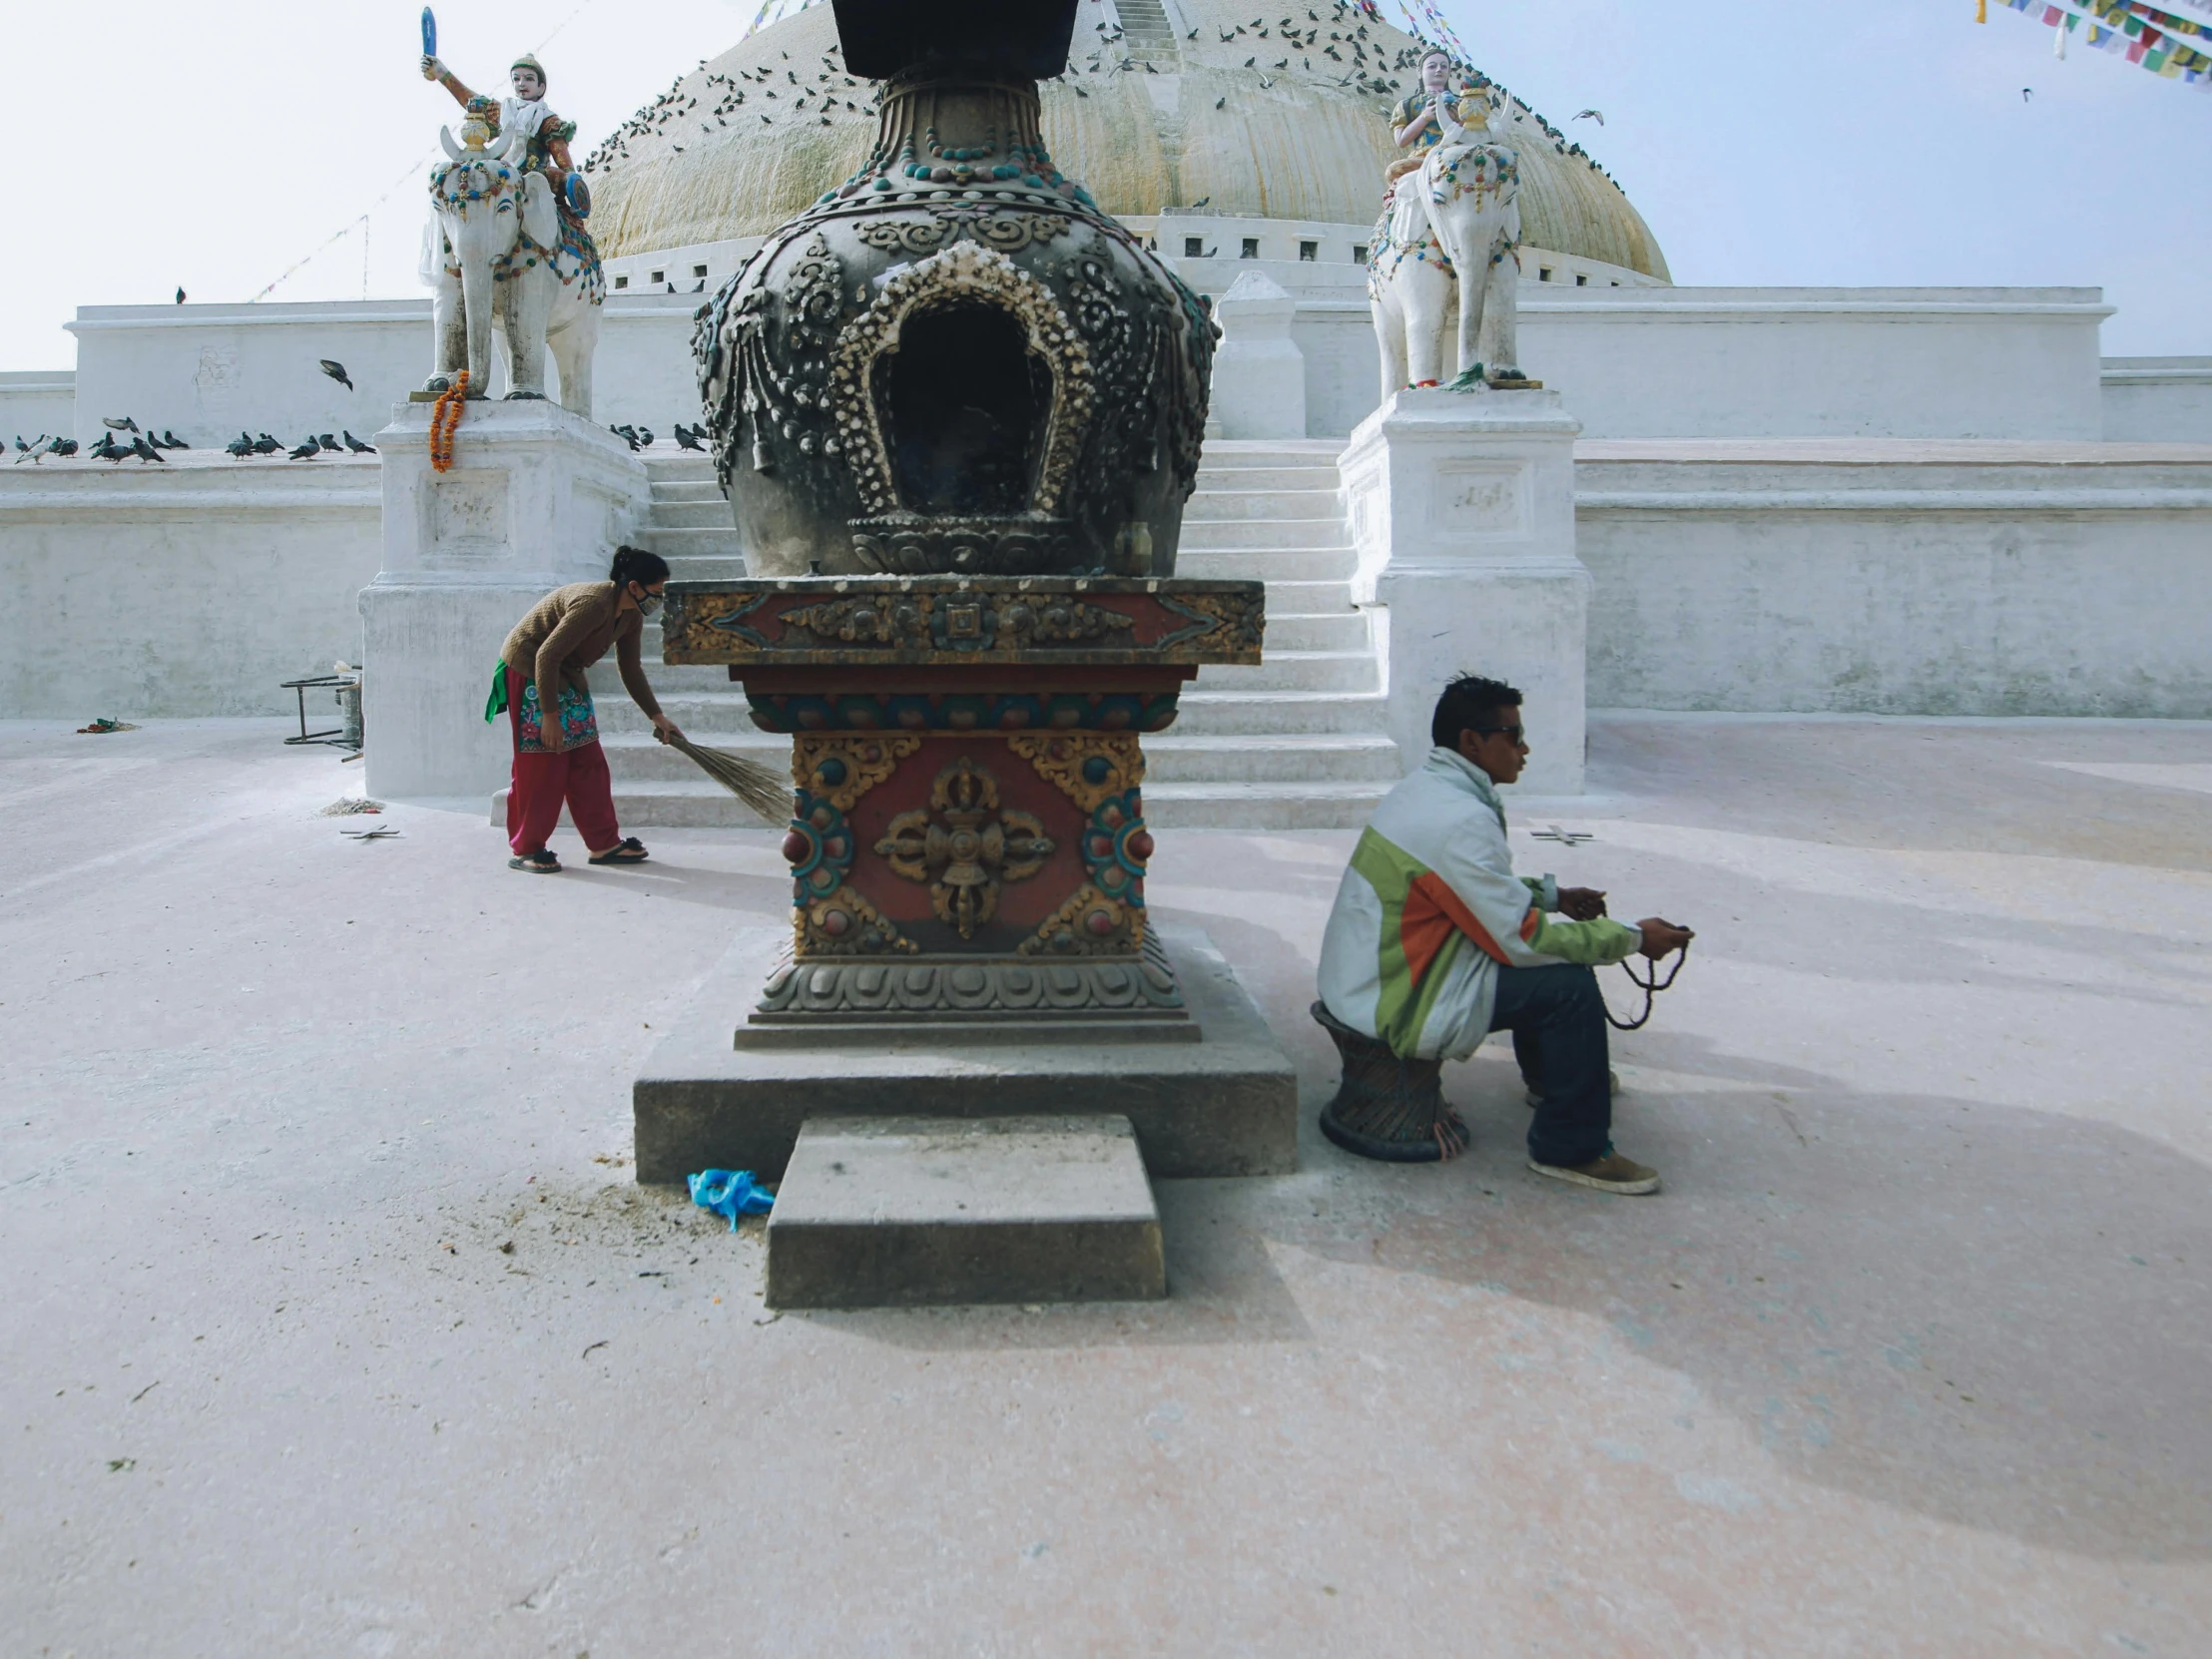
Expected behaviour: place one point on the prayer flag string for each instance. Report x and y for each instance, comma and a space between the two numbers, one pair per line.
2143, 34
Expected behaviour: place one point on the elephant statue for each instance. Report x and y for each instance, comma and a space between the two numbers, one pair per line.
1445, 250
506, 250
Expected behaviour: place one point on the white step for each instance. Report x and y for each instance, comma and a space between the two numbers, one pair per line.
1210, 506
1210, 713
670, 465
687, 490
640, 758
1303, 564
1262, 533
1343, 631
1305, 671
1260, 807
1279, 758
711, 514
1268, 479
707, 716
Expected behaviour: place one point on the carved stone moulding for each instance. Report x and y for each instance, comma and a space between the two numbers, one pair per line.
1139, 991
832, 710
905, 544
950, 620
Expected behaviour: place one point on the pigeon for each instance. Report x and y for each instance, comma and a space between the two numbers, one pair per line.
308, 451
264, 445
170, 440
687, 437
645, 437
1219, 102
240, 446
626, 436
1201, 200
359, 448
64, 447
2026, 93
336, 371
26, 448
145, 451
108, 450
125, 424
1598, 116
330, 444
180, 297
702, 287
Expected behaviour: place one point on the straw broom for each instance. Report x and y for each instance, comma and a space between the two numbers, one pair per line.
763, 789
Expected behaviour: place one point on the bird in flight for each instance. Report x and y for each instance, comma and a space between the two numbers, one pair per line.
1598, 116
336, 371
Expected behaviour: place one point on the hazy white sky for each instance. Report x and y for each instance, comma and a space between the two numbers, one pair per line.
1879, 142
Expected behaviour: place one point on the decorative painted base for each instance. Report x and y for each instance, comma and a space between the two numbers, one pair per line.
967, 839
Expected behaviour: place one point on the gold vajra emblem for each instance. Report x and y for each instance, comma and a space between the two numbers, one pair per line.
965, 847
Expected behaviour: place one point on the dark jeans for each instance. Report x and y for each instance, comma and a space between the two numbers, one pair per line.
1557, 1017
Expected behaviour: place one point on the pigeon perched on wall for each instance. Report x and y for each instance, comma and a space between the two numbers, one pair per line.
108, 450
359, 448
336, 371
180, 297
308, 451
625, 434
240, 446
328, 442
125, 424
687, 437
266, 445
145, 451
64, 447
170, 440
26, 448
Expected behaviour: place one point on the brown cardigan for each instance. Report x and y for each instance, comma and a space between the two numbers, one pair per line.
569, 630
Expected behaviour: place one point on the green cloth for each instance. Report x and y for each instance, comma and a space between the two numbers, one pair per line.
496, 704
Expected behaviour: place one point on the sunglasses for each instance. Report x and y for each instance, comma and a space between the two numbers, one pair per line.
1512, 732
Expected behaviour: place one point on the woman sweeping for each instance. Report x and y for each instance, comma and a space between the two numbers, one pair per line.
560, 759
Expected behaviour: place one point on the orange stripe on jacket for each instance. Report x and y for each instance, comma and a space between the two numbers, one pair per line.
1431, 913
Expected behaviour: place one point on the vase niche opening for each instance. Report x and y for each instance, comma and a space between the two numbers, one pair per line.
966, 402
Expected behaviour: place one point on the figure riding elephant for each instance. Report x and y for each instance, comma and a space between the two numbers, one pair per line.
506, 251
1448, 243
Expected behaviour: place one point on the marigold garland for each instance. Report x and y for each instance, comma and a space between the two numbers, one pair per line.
445, 414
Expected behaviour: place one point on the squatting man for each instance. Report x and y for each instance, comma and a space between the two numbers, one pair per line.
1435, 942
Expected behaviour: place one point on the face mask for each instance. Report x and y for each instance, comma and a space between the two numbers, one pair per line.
649, 607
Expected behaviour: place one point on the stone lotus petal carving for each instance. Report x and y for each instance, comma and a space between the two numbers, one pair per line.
961, 272
894, 992
965, 847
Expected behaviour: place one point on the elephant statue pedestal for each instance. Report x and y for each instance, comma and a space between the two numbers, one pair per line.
1461, 507
535, 497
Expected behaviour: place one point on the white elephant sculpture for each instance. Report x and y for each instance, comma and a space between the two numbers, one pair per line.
505, 252
1445, 250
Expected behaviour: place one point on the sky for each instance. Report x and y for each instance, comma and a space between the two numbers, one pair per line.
1883, 143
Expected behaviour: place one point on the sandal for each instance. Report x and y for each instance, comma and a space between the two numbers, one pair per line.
631, 851
540, 863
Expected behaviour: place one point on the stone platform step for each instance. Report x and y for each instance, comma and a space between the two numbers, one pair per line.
1351, 671
1223, 805
912, 1212
1260, 534
1251, 500
1205, 712
1271, 565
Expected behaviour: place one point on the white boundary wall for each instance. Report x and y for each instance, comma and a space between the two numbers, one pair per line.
43, 401
1627, 361
194, 588
2159, 399
1899, 578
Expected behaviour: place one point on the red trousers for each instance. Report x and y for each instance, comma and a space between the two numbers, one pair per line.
542, 782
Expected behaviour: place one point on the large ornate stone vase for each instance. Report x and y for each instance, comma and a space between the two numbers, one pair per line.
958, 411
954, 362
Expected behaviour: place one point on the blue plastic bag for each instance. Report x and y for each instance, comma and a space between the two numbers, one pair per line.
730, 1192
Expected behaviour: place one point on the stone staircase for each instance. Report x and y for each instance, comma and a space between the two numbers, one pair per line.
1295, 743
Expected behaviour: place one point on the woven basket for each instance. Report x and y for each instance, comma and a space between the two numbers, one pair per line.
1388, 1108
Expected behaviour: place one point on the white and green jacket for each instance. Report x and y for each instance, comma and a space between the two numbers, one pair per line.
1430, 909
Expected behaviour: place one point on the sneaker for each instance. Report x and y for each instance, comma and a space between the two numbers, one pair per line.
1609, 1174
